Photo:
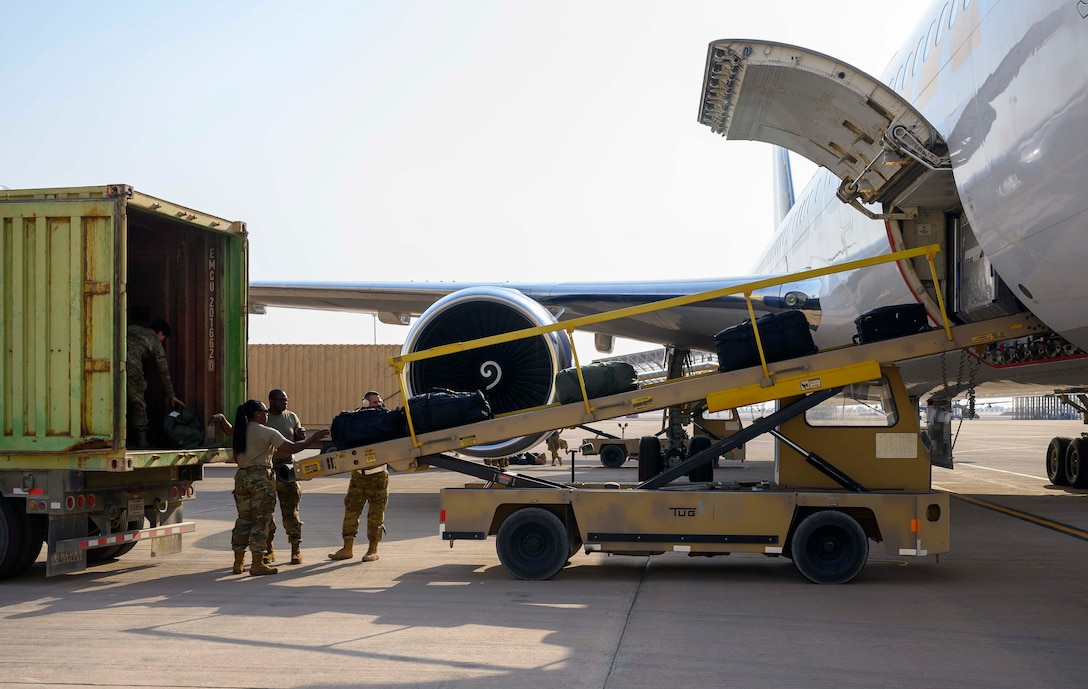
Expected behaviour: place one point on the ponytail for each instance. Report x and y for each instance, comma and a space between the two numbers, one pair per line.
241, 418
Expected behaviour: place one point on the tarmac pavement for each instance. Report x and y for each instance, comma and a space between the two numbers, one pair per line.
1007, 607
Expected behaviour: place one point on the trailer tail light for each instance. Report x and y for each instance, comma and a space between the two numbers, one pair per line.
442, 516
190, 491
72, 502
174, 492
35, 505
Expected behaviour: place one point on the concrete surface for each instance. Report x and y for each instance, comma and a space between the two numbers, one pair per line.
1006, 608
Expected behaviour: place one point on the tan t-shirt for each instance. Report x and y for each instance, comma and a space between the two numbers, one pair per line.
260, 442
285, 423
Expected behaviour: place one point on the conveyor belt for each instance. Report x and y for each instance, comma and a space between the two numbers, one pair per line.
814, 373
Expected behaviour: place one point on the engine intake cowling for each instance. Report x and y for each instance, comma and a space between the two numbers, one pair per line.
514, 375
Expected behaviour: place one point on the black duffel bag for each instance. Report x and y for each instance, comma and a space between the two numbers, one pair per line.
784, 335
367, 426
442, 408
887, 322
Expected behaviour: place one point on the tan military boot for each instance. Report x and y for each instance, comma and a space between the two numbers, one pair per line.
270, 556
371, 553
345, 552
239, 561
296, 553
259, 567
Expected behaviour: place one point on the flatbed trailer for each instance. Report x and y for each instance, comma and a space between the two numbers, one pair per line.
836, 486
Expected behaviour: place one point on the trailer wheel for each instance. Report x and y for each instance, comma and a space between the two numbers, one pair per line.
613, 456
35, 539
1055, 461
12, 538
96, 556
650, 461
533, 544
703, 473
1076, 462
829, 547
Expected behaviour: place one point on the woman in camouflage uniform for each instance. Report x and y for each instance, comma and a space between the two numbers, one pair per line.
254, 484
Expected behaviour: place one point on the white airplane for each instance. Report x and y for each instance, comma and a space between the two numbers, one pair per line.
975, 138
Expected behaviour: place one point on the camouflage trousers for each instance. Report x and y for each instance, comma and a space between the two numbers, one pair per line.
289, 493
255, 498
363, 489
137, 404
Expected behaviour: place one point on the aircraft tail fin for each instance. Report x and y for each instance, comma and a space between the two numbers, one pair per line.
783, 184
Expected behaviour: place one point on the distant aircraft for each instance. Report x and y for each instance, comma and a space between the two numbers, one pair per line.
976, 139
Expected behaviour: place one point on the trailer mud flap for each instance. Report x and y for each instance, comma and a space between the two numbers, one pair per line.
60, 559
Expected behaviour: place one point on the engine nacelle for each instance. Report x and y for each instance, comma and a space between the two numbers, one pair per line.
515, 375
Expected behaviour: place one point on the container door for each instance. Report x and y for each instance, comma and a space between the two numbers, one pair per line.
59, 309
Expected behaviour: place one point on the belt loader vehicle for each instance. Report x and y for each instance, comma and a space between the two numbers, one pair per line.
77, 267
850, 466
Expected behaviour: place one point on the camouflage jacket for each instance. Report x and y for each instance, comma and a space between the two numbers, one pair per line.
143, 343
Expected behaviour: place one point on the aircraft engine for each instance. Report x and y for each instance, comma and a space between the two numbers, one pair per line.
514, 375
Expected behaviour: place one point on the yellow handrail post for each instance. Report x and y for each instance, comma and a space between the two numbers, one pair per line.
940, 297
398, 368
578, 371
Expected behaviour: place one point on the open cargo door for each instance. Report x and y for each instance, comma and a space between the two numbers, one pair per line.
874, 141
60, 324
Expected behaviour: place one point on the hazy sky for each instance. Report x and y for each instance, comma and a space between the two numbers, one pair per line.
414, 140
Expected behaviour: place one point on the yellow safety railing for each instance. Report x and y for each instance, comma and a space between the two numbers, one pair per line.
399, 362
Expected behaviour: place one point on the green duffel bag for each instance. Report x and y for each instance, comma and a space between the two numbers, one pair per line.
602, 379
183, 429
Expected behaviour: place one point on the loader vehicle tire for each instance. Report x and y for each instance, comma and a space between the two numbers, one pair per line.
533, 544
829, 547
650, 460
613, 456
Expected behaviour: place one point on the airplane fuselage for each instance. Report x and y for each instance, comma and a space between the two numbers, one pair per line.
1006, 84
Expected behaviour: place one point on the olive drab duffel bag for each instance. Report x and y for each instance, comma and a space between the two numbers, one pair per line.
602, 378
183, 429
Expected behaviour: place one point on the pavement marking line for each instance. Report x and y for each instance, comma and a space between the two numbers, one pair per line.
1003, 471
1025, 516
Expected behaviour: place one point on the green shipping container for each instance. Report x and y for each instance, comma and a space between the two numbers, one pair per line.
77, 267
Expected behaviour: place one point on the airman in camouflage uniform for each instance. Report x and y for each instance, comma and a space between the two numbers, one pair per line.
144, 342
369, 487
253, 443
289, 493
255, 498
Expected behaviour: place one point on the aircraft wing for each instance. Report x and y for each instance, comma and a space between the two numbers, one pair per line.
690, 327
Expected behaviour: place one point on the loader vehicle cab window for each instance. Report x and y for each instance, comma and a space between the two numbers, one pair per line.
862, 404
